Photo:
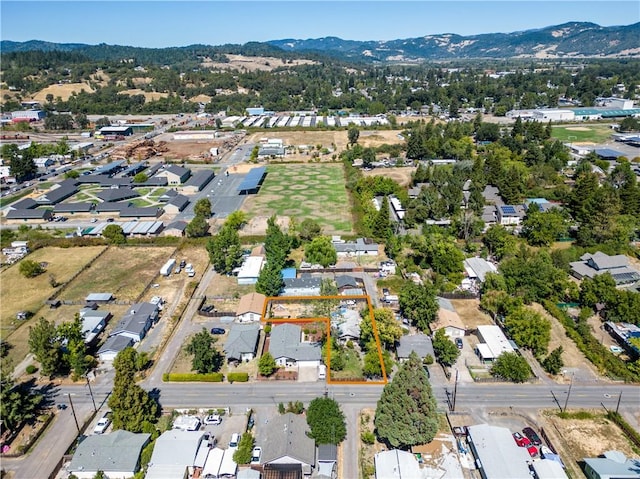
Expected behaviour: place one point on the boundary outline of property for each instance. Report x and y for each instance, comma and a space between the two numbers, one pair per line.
374, 326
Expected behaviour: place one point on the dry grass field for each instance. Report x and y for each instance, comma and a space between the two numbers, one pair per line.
401, 175
63, 91
19, 293
123, 271
470, 313
148, 96
241, 62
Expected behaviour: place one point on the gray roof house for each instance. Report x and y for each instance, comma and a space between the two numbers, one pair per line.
80, 207
116, 454
305, 286
136, 321
345, 281
287, 348
93, 323
420, 343
177, 228
591, 265
113, 346
242, 342
361, 246
327, 460
614, 465
286, 446
173, 452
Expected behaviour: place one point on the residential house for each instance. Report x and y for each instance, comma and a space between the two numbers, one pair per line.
591, 265
347, 324
493, 343
117, 455
344, 282
450, 321
113, 346
250, 307
242, 342
396, 464
419, 343
287, 348
137, 321
303, 286
361, 247
93, 322
250, 270
477, 269
614, 465
175, 175
177, 228
174, 452
327, 459
287, 447
511, 215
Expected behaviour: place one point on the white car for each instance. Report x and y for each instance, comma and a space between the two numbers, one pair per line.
102, 425
214, 419
255, 455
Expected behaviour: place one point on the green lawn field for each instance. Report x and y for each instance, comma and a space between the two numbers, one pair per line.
582, 133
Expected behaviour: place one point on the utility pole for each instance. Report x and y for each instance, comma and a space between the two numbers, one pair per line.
568, 394
455, 392
74, 412
95, 409
618, 405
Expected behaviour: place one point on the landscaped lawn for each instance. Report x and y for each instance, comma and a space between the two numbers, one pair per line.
305, 191
352, 369
582, 133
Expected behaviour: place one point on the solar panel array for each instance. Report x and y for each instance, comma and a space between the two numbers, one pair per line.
508, 210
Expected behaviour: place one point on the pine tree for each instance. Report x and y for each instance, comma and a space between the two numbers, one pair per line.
381, 227
406, 414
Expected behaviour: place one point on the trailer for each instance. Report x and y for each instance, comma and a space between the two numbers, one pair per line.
167, 267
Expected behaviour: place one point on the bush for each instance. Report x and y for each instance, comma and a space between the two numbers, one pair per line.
195, 377
31, 369
30, 269
238, 377
368, 437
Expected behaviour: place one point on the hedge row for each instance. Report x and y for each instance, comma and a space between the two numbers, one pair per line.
595, 352
187, 377
238, 377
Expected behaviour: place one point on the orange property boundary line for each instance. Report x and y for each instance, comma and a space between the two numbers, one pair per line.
283, 299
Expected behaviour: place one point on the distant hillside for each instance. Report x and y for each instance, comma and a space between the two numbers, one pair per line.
568, 40
560, 41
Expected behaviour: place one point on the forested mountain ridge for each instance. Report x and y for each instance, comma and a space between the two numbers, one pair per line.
569, 40
573, 39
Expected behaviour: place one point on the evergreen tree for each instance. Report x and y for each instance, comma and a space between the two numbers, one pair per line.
321, 251
381, 227
133, 408
267, 364
225, 250
197, 227
203, 208
553, 363
270, 281
406, 414
44, 344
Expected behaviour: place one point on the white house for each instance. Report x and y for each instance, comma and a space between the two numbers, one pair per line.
288, 350
250, 307
250, 270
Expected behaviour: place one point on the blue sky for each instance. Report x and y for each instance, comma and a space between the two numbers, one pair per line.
172, 23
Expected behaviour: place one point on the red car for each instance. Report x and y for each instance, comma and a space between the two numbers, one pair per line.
521, 440
532, 450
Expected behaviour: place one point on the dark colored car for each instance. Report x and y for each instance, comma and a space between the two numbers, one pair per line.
533, 437
217, 331
459, 343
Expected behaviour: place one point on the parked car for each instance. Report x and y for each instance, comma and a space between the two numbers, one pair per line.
183, 263
102, 424
521, 440
235, 439
217, 331
533, 437
533, 451
255, 455
459, 343
213, 419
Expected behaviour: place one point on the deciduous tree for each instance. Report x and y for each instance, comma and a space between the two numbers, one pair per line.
30, 269
198, 227
327, 421
266, 364
418, 303
203, 208
225, 250
446, 351
44, 344
512, 367
114, 234
206, 358
529, 329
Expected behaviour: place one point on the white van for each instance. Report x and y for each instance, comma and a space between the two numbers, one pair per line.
235, 439
322, 372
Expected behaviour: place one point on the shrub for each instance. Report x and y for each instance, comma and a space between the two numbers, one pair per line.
188, 377
238, 377
31, 369
368, 437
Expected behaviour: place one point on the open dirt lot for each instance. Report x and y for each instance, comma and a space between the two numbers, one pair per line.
573, 359
63, 91
123, 271
241, 62
148, 96
401, 175
470, 313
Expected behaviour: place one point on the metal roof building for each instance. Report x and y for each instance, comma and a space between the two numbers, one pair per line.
497, 454
396, 464
253, 180
495, 342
